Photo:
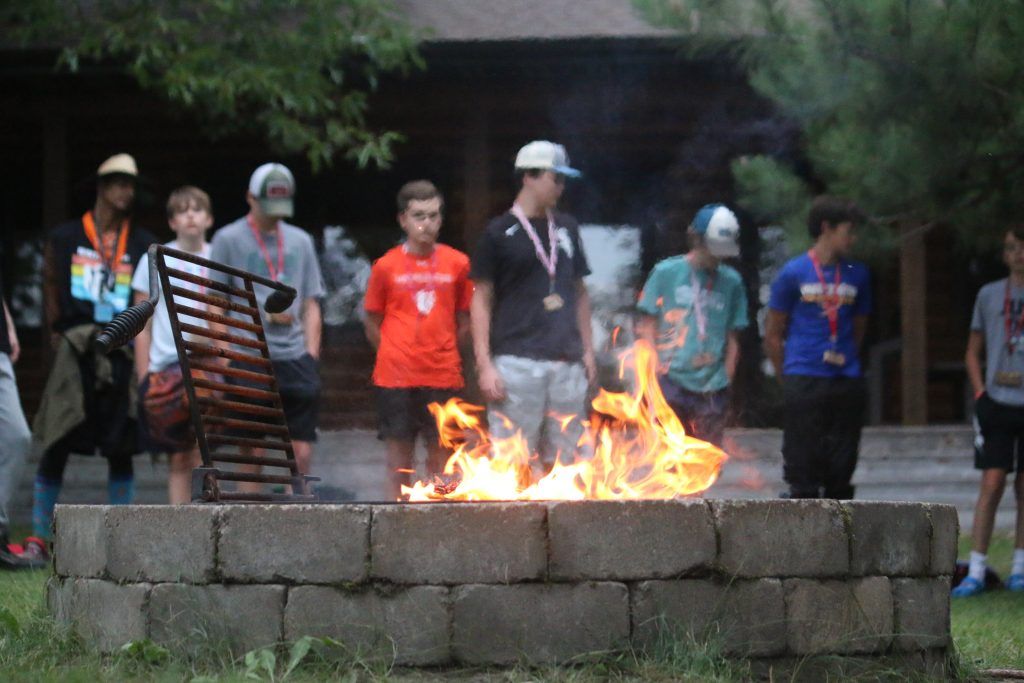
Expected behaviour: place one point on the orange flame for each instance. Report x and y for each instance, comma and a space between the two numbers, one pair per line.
639, 447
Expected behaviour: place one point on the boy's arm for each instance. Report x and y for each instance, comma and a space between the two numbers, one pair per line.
491, 384
142, 341
12, 334
732, 354
372, 325
774, 339
312, 329
972, 359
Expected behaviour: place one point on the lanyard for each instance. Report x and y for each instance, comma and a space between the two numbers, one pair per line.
1013, 327
698, 301
109, 264
550, 262
829, 304
412, 283
275, 275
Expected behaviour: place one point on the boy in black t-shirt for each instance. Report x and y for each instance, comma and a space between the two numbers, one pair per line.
531, 313
88, 403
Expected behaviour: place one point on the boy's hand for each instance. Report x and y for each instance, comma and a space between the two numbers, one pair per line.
491, 384
281, 318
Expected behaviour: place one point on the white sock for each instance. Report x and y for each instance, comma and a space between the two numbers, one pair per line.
977, 568
1017, 567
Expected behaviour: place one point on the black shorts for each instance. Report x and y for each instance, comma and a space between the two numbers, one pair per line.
298, 382
999, 435
402, 412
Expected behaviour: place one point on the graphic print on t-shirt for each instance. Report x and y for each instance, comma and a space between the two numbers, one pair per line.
813, 293
88, 273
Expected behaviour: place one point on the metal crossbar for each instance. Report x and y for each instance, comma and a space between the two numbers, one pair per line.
237, 405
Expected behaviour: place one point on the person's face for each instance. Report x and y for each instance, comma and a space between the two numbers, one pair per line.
843, 236
193, 222
421, 221
1013, 253
118, 192
547, 188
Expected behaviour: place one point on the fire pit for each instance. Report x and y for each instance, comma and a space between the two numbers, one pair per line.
500, 583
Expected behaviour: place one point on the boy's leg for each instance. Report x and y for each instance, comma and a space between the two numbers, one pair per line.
566, 398
847, 403
1016, 580
396, 426
400, 465
711, 416
524, 406
179, 476
121, 480
47, 487
802, 435
16, 440
437, 454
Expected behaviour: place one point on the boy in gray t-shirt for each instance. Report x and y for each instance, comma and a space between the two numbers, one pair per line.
263, 244
997, 331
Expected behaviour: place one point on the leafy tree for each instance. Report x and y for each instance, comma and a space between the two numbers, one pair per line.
915, 108
297, 72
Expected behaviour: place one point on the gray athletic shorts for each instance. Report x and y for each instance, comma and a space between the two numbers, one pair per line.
539, 394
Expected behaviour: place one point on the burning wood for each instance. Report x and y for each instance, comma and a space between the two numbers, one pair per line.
639, 450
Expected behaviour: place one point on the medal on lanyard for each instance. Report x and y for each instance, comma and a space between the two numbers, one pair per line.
704, 358
103, 309
1013, 328
278, 273
830, 305
553, 301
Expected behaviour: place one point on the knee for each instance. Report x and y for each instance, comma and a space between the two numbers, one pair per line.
992, 488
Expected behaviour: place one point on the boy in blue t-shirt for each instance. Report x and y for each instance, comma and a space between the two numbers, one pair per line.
817, 315
691, 309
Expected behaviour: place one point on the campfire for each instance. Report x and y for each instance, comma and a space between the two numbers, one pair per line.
639, 450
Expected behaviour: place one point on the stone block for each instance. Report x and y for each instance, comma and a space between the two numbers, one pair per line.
634, 539
455, 543
103, 614
538, 623
80, 540
838, 617
945, 529
161, 542
889, 539
745, 617
410, 625
922, 613
58, 600
781, 538
186, 617
294, 543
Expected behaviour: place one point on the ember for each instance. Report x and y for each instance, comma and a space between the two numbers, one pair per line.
640, 450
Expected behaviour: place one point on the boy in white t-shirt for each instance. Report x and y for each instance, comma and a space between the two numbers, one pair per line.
163, 406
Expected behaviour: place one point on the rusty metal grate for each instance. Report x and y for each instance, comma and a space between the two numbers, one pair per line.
234, 405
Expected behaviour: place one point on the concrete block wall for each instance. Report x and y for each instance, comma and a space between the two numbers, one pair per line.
501, 583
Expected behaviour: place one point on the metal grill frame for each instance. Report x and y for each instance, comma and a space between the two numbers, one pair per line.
259, 417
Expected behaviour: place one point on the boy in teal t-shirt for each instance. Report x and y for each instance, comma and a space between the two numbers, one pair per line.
692, 308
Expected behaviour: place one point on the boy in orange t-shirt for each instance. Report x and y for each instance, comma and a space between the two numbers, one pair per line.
417, 311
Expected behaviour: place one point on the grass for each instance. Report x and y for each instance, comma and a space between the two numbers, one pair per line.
986, 630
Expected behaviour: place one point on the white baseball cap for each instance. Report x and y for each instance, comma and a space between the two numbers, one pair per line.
719, 228
274, 187
544, 155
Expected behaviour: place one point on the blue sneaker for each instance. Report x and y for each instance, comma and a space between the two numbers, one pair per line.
1015, 583
968, 588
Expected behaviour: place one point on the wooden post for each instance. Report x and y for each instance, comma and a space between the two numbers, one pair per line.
476, 186
914, 350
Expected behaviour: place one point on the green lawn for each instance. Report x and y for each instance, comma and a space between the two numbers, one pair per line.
988, 632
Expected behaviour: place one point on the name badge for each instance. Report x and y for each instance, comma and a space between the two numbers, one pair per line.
1013, 380
834, 358
102, 312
